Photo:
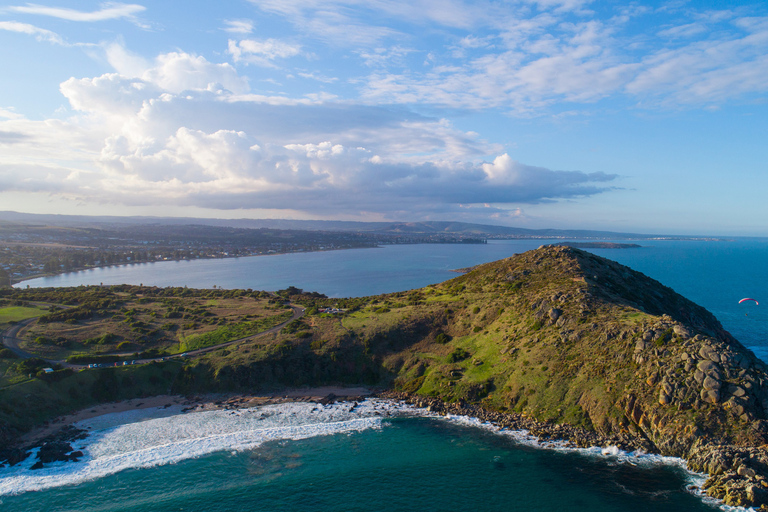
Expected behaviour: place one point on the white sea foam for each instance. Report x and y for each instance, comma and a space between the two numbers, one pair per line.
153, 437
137, 440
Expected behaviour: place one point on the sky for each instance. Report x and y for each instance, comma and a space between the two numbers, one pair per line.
646, 117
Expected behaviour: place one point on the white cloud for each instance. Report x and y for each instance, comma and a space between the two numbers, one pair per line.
125, 62
261, 52
239, 26
8, 113
176, 72
708, 71
683, 31
167, 137
40, 34
108, 11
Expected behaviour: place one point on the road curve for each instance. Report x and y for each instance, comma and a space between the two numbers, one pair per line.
11, 341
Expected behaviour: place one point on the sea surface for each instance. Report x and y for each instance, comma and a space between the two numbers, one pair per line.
377, 456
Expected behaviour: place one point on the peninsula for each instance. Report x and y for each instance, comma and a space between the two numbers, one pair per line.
558, 341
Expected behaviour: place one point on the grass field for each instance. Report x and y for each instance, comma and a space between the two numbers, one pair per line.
18, 313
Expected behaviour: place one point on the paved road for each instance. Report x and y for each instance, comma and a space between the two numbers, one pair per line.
11, 341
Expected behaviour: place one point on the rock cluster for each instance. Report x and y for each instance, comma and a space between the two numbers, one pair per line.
53, 448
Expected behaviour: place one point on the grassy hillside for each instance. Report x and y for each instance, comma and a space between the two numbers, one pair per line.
556, 334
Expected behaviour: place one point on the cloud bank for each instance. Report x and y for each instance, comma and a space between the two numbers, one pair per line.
188, 132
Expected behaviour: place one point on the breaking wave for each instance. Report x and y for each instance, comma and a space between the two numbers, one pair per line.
141, 439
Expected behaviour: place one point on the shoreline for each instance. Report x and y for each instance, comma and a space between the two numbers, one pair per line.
197, 403
18, 281
544, 435
700, 461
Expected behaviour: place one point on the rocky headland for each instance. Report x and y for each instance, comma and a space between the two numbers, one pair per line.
556, 341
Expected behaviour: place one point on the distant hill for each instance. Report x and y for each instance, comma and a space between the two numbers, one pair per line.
415, 228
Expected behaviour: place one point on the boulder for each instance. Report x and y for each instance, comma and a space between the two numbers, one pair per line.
711, 383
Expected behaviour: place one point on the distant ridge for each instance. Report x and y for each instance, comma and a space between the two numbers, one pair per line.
415, 228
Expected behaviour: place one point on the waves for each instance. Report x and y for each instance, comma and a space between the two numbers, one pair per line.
142, 439
154, 437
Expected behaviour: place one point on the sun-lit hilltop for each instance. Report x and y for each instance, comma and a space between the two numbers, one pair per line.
556, 340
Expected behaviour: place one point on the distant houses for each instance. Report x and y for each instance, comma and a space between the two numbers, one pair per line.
330, 311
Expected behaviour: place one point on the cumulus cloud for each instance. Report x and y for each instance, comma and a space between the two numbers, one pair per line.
167, 136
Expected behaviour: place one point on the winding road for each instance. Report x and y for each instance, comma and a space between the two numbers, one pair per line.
11, 341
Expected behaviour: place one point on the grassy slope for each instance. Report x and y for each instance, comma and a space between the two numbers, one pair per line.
550, 333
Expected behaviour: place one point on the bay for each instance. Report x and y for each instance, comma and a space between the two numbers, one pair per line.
399, 463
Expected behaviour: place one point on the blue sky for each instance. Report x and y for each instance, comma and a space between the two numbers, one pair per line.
627, 116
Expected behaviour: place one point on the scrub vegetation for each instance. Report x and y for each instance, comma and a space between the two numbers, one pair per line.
556, 334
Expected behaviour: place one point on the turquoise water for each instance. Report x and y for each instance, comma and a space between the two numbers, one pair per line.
405, 464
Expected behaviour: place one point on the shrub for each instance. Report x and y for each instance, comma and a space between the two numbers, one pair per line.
442, 338
7, 353
663, 337
458, 354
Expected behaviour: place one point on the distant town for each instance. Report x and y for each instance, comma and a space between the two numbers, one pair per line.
30, 251
38, 245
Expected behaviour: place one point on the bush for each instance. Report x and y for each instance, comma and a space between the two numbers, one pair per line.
458, 354
93, 358
442, 338
7, 353
54, 376
31, 365
101, 340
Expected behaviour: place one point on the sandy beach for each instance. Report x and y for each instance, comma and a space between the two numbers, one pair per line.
197, 403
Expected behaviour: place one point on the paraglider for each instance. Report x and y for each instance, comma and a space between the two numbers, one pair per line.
746, 299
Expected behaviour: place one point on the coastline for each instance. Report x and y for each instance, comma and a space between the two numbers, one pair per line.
17, 281
199, 403
543, 435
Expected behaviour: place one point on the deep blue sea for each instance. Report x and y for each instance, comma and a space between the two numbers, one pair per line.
378, 456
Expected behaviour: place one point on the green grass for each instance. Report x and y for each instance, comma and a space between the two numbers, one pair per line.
229, 333
19, 313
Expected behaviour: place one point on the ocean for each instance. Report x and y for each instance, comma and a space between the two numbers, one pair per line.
301, 456
377, 456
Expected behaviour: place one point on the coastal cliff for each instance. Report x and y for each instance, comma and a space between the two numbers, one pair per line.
558, 341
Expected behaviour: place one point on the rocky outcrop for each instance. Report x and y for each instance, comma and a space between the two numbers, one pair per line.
633, 363
53, 448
